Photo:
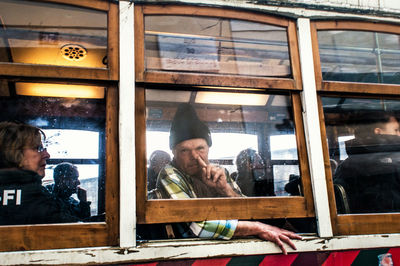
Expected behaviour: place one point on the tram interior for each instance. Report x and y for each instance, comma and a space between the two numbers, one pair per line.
74, 128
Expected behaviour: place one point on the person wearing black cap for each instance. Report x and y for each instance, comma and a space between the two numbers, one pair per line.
190, 175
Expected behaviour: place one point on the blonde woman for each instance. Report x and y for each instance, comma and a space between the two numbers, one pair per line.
23, 199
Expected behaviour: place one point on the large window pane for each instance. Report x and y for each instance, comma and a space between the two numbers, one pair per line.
359, 56
246, 137
216, 45
364, 148
64, 36
75, 137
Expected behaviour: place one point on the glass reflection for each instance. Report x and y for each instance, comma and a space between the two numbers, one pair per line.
219, 149
74, 177
65, 36
364, 143
216, 45
359, 56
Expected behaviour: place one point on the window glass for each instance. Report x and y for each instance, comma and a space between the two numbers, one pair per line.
283, 147
65, 36
359, 56
364, 150
240, 126
216, 45
71, 189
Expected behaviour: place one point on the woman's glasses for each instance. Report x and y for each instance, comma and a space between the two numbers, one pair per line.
41, 148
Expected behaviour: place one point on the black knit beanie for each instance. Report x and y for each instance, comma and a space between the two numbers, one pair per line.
187, 125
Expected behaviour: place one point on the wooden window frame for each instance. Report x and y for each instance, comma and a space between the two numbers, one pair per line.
169, 210
82, 73
351, 224
73, 235
176, 77
350, 87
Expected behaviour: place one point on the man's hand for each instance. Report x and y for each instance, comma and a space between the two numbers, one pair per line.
82, 195
267, 232
214, 176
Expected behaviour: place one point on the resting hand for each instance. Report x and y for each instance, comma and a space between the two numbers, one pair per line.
214, 176
267, 232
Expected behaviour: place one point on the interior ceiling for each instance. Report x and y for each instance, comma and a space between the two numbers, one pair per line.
36, 32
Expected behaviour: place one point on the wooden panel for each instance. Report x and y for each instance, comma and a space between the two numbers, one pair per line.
33, 237
47, 71
139, 44
213, 12
163, 211
368, 224
112, 166
113, 41
317, 59
140, 144
294, 54
360, 87
302, 152
357, 25
219, 80
327, 166
93, 4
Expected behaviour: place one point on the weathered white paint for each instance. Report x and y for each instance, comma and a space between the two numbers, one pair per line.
190, 249
391, 4
127, 126
318, 10
312, 129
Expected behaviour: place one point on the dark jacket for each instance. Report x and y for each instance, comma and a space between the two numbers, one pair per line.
371, 174
77, 208
25, 201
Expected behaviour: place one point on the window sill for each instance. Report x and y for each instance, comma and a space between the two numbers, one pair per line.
192, 249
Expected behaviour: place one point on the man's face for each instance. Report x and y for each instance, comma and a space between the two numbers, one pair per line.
258, 168
70, 184
390, 128
186, 154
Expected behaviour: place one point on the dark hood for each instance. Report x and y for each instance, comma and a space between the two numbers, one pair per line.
18, 177
373, 144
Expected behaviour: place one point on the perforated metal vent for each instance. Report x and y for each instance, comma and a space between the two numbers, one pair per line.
73, 52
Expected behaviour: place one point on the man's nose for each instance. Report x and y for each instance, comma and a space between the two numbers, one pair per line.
193, 154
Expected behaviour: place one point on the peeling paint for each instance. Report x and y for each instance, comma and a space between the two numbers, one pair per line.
125, 251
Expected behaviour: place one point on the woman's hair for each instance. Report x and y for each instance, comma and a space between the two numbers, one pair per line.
14, 137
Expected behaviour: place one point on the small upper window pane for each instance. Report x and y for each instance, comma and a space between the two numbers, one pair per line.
64, 36
216, 45
360, 56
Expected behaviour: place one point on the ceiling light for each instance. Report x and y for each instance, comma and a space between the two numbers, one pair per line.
73, 52
231, 98
59, 90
